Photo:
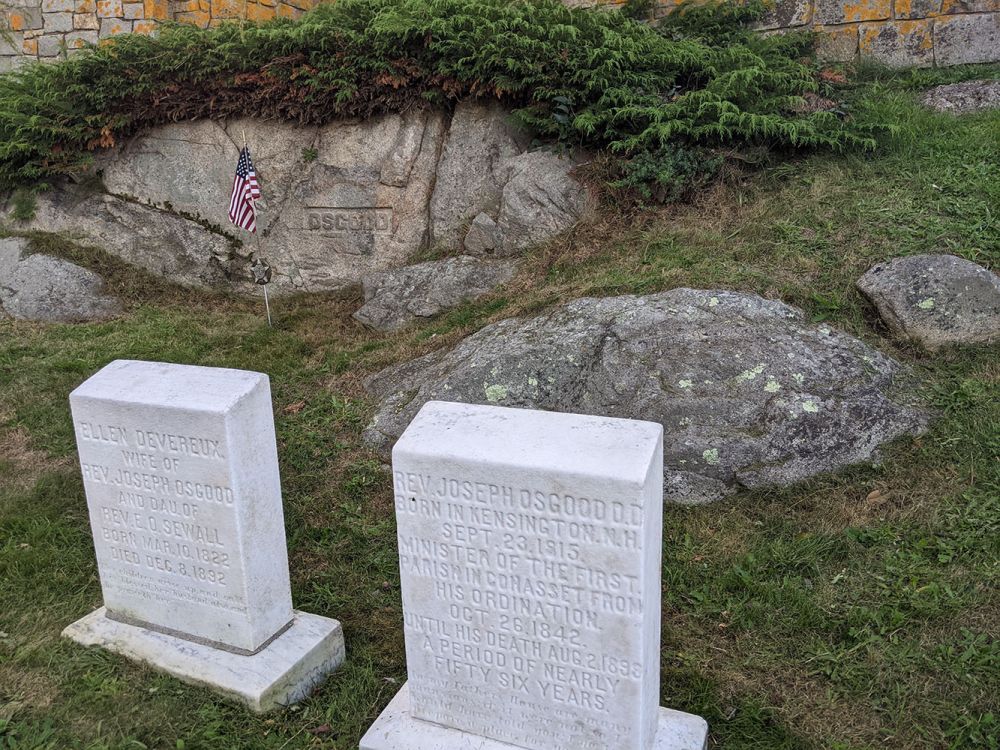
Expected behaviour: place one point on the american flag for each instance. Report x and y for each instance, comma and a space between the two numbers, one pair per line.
246, 191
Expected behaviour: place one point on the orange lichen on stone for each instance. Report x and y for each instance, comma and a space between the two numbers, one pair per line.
110, 9
156, 9
917, 9
86, 22
227, 9
287, 11
899, 43
970, 6
144, 27
836, 12
867, 10
199, 18
16, 22
258, 12
919, 32
30, 47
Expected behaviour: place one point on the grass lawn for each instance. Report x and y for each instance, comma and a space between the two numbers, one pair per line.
860, 610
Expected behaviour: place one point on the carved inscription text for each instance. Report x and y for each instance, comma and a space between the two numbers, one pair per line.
521, 607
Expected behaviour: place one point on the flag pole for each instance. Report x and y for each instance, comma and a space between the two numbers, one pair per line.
267, 302
267, 305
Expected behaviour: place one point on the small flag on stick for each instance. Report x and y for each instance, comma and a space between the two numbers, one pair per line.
243, 213
246, 193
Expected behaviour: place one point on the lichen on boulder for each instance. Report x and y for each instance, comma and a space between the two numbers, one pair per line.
749, 393
934, 300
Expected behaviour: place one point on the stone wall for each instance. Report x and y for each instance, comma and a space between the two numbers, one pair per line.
899, 33
896, 32
48, 29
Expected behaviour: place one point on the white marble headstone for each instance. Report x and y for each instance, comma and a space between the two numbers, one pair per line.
180, 470
181, 473
530, 548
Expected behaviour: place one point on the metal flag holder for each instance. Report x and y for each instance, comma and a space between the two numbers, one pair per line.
259, 269
262, 276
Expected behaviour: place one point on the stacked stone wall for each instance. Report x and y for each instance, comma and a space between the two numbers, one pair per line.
50, 29
897, 32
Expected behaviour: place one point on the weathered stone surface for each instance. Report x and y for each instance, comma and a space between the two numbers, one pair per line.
51, 46
396, 298
582, 499
8, 64
346, 216
188, 167
748, 392
935, 300
483, 237
282, 674
917, 8
837, 11
11, 44
58, 22
163, 243
973, 38
180, 469
11, 250
51, 290
114, 27
837, 43
195, 445
539, 201
79, 39
961, 98
396, 729
970, 6
783, 14
353, 198
473, 169
24, 16
898, 43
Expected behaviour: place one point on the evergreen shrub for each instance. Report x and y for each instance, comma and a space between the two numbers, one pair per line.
663, 98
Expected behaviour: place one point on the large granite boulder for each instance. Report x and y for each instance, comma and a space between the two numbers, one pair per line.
749, 393
396, 298
12, 249
340, 202
52, 290
162, 242
539, 201
935, 300
472, 171
962, 98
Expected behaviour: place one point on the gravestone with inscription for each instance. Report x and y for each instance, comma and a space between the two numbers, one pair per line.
180, 470
530, 549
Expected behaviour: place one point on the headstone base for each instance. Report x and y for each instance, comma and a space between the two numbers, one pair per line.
396, 729
282, 673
